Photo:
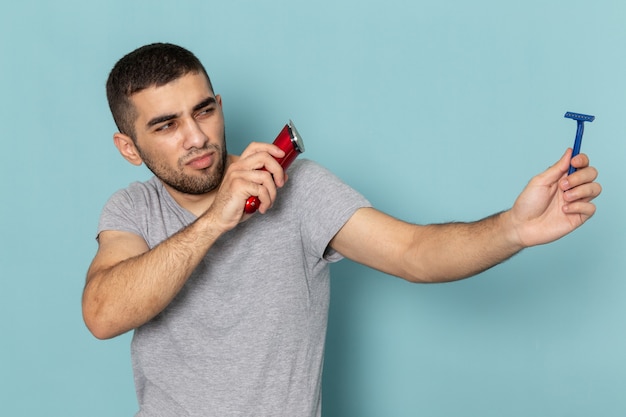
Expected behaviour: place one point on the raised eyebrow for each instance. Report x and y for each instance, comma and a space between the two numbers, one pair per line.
205, 103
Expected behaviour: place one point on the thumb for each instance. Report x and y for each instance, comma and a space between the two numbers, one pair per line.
556, 171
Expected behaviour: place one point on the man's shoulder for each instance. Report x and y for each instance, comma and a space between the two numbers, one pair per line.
143, 208
137, 195
139, 189
306, 167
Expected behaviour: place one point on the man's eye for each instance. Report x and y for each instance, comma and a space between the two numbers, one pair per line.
206, 112
164, 127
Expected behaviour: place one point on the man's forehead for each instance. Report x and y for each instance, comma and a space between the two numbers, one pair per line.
176, 96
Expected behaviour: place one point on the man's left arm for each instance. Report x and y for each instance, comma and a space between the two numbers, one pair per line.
552, 205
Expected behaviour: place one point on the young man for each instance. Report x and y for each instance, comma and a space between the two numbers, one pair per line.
229, 309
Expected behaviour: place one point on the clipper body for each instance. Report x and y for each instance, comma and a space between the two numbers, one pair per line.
290, 141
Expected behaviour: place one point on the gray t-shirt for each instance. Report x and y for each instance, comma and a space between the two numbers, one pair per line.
245, 336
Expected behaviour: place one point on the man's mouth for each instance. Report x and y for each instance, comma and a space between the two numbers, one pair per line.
201, 162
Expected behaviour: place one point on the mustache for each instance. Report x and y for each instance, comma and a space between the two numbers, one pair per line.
199, 152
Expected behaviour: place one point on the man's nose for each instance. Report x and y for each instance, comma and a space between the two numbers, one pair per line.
194, 136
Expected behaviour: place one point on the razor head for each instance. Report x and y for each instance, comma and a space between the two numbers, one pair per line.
580, 117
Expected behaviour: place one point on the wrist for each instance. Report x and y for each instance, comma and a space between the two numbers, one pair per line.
221, 218
510, 230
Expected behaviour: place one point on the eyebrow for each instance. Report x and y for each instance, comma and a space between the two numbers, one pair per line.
205, 103
167, 117
160, 119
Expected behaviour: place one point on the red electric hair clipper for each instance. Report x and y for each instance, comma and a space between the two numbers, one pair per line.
290, 141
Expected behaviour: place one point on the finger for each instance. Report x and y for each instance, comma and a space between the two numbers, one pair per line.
260, 147
584, 209
266, 197
261, 184
262, 160
580, 161
579, 177
278, 173
245, 182
586, 192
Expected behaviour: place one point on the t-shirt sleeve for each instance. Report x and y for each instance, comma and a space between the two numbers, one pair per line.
119, 214
326, 204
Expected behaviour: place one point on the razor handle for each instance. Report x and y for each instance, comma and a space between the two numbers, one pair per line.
290, 142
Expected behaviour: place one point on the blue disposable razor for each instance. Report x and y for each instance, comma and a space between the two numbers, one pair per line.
580, 120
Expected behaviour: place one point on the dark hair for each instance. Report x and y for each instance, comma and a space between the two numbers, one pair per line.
156, 64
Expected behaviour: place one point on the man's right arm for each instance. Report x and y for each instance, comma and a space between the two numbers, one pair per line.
128, 283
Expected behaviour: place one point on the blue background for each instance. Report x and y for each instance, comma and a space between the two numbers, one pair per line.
436, 111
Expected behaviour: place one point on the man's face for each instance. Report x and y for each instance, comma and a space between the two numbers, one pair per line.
180, 134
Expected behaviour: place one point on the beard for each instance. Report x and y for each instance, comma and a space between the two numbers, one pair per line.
207, 180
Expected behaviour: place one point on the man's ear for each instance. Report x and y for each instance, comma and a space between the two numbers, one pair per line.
127, 148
